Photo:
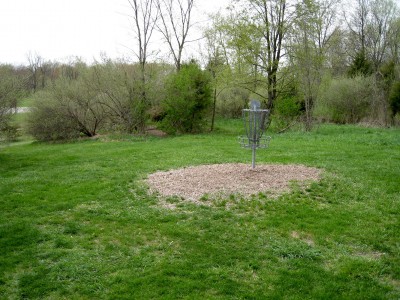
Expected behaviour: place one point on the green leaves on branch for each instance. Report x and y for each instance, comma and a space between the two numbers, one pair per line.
347, 100
188, 100
394, 98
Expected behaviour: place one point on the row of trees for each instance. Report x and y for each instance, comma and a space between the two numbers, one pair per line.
290, 54
109, 96
306, 60
297, 51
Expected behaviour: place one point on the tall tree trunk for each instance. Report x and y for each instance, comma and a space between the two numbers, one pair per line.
214, 109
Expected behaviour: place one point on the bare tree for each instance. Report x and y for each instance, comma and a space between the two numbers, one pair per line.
394, 43
358, 23
175, 24
383, 14
326, 25
370, 25
35, 62
145, 15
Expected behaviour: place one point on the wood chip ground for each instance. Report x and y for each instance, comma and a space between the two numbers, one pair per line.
192, 183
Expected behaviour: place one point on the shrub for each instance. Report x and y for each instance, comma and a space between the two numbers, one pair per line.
188, 100
360, 66
68, 109
346, 100
121, 95
105, 96
232, 101
286, 110
10, 132
48, 121
11, 90
394, 98
5, 124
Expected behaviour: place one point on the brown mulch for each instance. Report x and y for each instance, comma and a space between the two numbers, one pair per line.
192, 183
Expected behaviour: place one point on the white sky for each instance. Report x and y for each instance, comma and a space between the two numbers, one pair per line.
62, 29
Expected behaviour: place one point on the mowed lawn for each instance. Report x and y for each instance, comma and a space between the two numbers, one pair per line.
77, 221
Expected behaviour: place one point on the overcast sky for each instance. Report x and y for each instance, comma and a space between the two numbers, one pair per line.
62, 29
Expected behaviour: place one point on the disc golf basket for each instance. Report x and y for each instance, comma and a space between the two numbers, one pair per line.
254, 120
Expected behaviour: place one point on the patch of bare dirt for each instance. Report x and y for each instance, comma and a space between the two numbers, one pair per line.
151, 130
192, 183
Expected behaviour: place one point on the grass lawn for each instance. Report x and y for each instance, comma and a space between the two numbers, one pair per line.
77, 223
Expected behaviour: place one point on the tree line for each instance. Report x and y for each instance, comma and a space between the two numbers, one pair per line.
307, 61
314, 60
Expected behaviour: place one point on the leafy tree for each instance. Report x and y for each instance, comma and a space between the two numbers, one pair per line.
258, 33
307, 54
287, 110
216, 63
310, 35
361, 65
271, 25
188, 100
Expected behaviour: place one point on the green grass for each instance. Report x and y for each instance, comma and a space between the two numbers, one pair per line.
77, 223
27, 101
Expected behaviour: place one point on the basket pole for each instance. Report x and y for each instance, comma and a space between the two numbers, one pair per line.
253, 161
253, 112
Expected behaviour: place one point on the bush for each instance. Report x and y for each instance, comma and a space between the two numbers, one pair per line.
188, 100
11, 90
68, 109
394, 98
286, 110
360, 66
48, 121
346, 100
6, 128
105, 96
10, 132
232, 101
122, 95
